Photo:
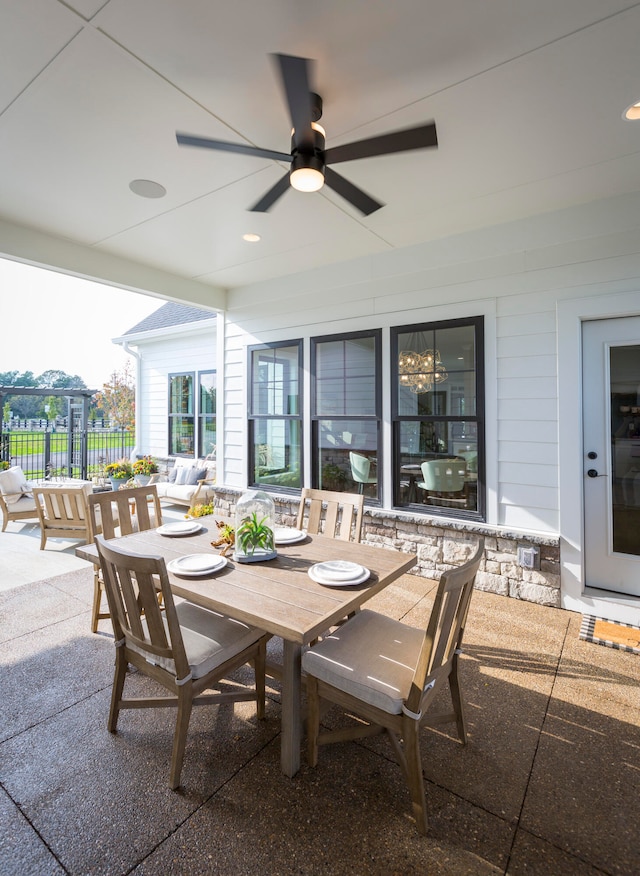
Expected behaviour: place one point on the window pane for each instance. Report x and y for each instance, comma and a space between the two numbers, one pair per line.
347, 456
277, 457
181, 435
345, 377
208, 393
436, 430
275, 381
181, 394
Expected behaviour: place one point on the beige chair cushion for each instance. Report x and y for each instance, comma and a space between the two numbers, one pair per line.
24, 503
209, 639
372, 657
13, 484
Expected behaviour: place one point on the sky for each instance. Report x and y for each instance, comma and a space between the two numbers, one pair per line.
53, 321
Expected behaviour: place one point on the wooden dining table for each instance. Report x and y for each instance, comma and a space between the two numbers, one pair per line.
277, 596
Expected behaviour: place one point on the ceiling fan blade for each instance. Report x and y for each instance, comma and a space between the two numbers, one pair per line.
421, 137
294, 73
360, 200
269, 199
224, 146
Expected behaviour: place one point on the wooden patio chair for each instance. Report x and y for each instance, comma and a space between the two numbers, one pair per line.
388, 674
16, 497
119, 512
334, 514
185, 648
63, 512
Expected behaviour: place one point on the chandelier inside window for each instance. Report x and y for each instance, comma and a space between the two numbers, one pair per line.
419, 372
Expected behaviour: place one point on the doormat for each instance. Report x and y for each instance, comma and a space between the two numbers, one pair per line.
611, 634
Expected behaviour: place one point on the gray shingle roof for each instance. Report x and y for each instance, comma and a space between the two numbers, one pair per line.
170, 314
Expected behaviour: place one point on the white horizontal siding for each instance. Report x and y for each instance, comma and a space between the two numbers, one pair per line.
522, 366
528, 452
544, 431
529, 473
160, 357
528, 410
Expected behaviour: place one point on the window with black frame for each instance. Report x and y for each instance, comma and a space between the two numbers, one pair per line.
346, 413
438, 416
207, 414
275, 415
181, 415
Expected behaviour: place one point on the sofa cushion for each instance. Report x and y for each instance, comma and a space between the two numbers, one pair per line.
13, 484
193, 475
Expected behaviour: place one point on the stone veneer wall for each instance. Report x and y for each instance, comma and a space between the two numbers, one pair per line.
441, 545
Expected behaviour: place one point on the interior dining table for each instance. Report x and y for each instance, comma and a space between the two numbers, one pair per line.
277, 596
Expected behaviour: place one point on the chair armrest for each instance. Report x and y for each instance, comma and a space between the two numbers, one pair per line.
158, 478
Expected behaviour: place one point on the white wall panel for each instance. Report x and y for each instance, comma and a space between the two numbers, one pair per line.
528, 452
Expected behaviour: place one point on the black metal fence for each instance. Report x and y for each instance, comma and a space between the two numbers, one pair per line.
57, 451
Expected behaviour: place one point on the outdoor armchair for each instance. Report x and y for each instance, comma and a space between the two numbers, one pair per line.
16, 496
388, 674
63, 512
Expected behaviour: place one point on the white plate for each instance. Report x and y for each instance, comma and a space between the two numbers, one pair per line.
321, 578
339, 570
194, 565
288, 535
180, 527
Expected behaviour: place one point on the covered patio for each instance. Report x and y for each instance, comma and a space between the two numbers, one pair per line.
546, 784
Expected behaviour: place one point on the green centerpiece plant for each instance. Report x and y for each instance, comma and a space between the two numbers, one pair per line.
254, 539
255, 534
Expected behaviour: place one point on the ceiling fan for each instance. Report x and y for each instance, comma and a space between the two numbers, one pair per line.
308, 157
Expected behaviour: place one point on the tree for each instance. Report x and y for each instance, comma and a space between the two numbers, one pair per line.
117, 399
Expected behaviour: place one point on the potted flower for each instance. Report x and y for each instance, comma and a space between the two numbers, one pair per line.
143, 468
119, 472
254, 539
4, 465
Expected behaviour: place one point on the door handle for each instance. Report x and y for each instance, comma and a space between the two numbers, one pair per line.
592, 473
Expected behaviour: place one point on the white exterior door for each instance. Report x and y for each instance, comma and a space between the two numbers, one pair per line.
611, 453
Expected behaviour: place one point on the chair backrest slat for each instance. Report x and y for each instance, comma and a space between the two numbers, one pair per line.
342, 518
131, 587
122, 512
445, 629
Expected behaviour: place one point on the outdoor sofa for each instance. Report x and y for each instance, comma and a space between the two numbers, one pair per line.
188, 482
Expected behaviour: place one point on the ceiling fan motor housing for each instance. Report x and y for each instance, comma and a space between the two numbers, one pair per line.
309, 157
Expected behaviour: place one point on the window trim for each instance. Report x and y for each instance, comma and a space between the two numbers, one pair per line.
315, 341
479, 417
200, 417
171, 415
252, 418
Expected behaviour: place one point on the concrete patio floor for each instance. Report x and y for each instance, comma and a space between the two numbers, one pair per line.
548, 783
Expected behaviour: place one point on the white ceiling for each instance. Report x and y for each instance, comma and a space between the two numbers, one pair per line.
527, 96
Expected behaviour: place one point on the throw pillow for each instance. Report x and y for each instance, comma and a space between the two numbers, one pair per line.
13, 484
193, 475
172, 475
182, 473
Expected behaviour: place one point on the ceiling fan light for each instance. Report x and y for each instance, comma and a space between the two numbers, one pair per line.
307, 179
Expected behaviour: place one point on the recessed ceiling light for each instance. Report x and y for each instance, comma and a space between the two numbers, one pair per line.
251, 238
632, 113
147, 188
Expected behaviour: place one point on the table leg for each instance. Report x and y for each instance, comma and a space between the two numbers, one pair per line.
291, 718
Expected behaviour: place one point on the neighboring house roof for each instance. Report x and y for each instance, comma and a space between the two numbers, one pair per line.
170, 314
